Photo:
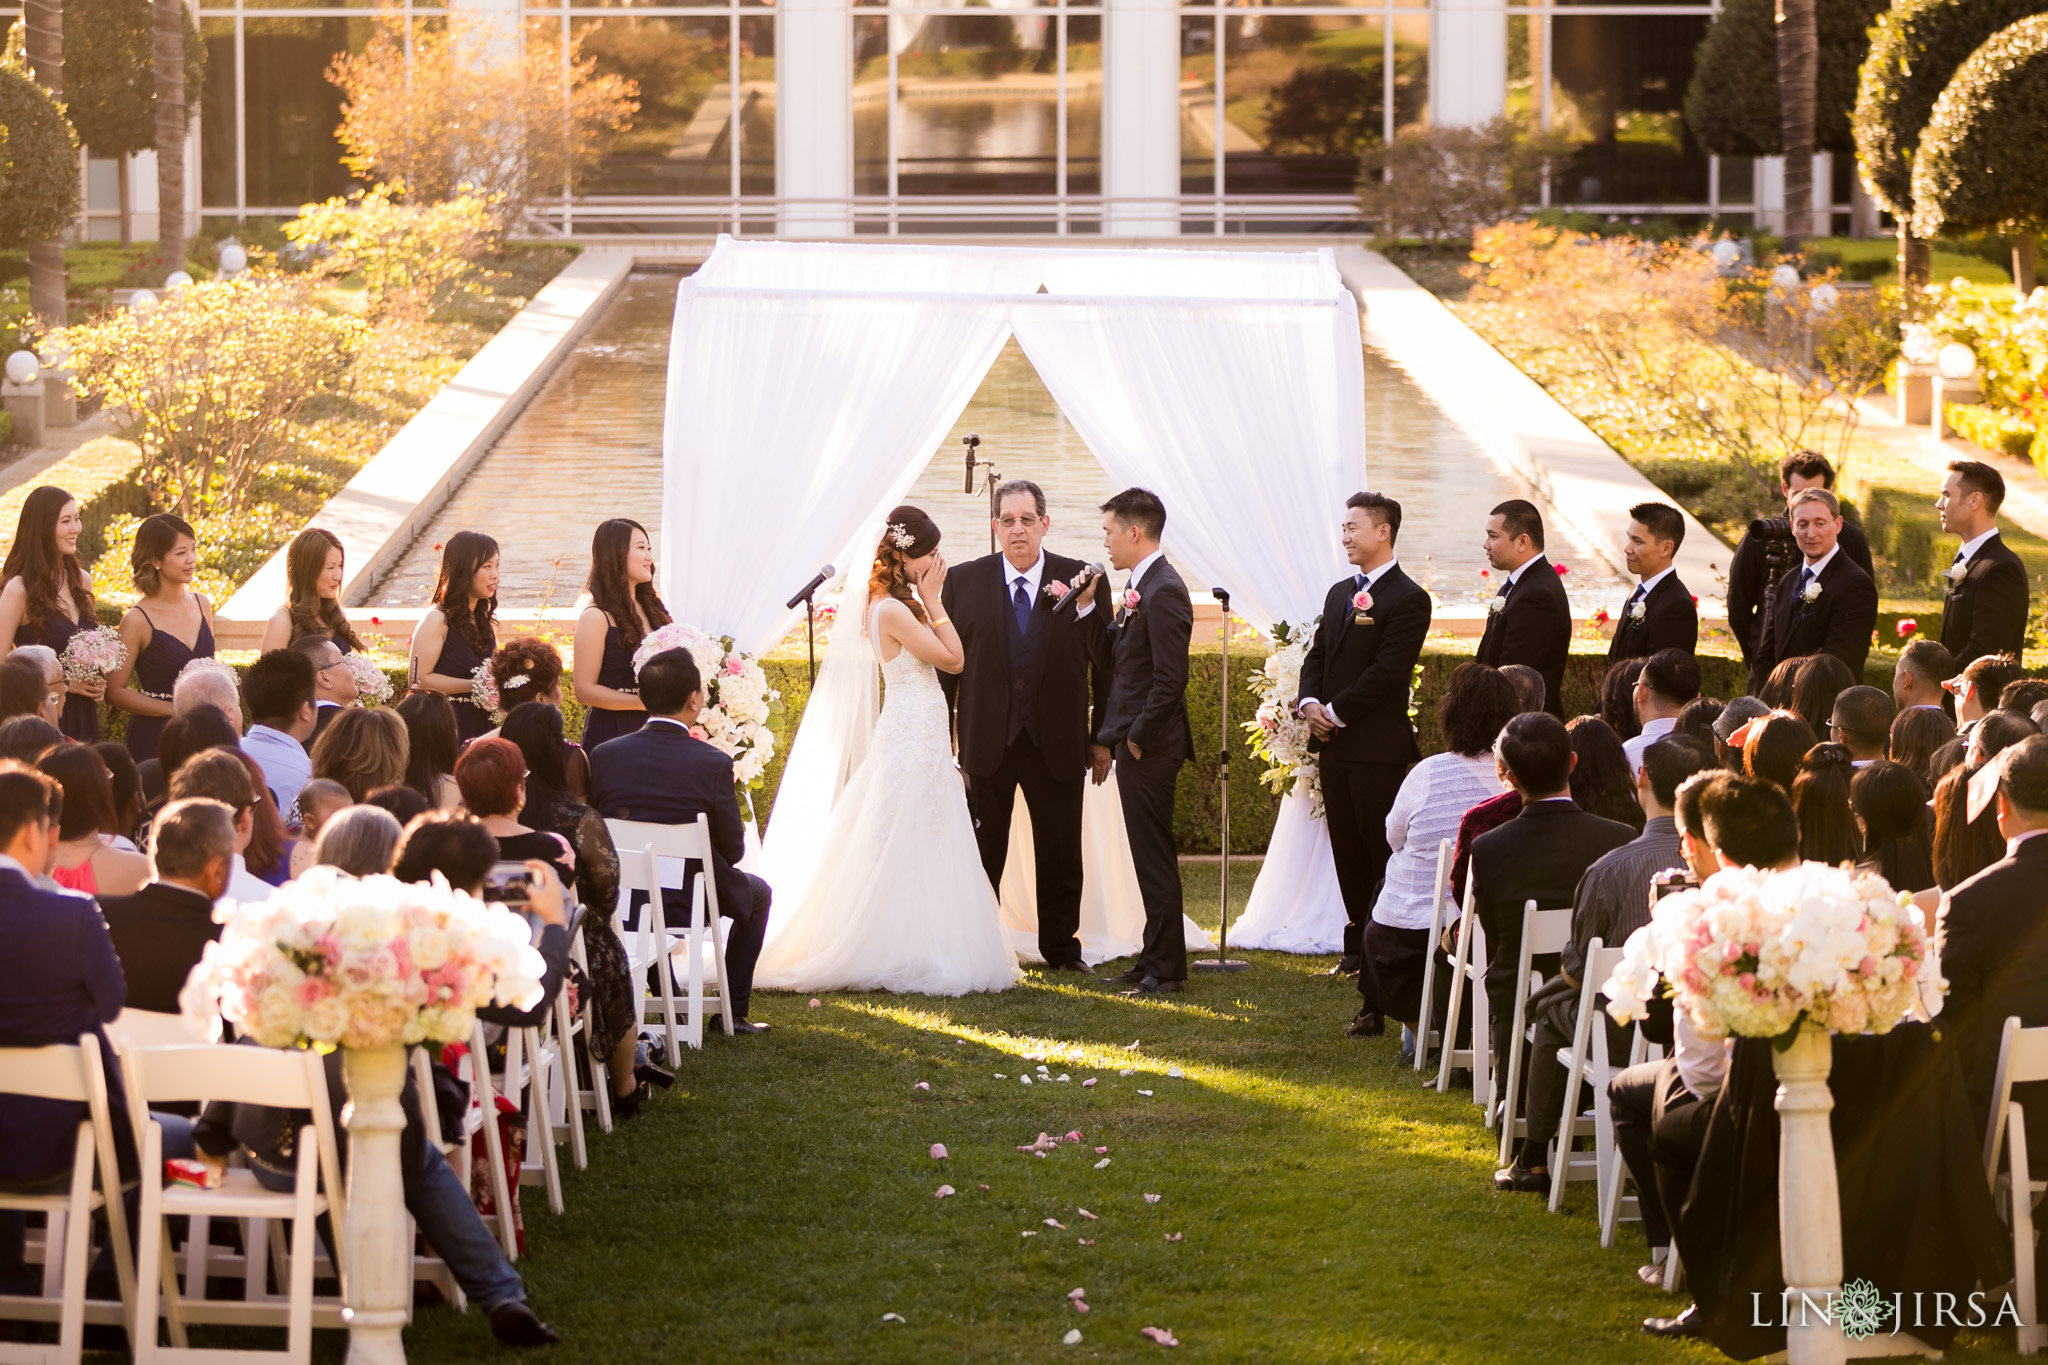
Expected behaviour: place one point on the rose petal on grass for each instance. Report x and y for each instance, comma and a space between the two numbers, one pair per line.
1085, 1241
944, 1192
1080, 1307
984, 1187
1145, 1093
959, 1042
1074, 1136
1056, 1223
1163, 1335
1001, 1077
1042, 1068
1031, 1232
1128, 1071
1100, 1150
1174, 1072
1090, 1081
1072, 1338
1100, 1164
922, 1085
1131, 1046
1151, 1198
892, 1317
1085, 1214
1025, 1079
1173, 1237
1062, 1077
938, 1151
1077, 1293
816, 1004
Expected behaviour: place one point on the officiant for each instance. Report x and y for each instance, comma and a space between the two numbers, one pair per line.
1022, 708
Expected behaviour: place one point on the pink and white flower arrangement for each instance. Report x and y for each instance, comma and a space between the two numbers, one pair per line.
93, 653
373, 685
1752, 953
1278, 735
361, 963
739, 705
483, 689
1130, 599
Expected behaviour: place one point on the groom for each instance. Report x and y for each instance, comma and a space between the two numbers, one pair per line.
1022, 704
1143, 725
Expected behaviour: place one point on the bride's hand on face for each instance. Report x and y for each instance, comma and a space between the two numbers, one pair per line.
933, 581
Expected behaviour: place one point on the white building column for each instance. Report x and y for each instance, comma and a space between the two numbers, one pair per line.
1468, 62
1141, 118
814, 116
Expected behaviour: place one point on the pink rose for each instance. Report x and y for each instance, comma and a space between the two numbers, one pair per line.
697, 732
1361, 600
734, 666
1056, 590
1130, 599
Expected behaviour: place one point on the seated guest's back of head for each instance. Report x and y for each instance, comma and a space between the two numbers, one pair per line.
1928, 662
1749, 822
1998, 732
279, 687
23, 687
208, 683
362, 748
451, 842
1819, 679
88, 790
1777, 689
492, 775
1774, 747
198, 730
1736, 714
1890, 803
360, 840
1530, 689
127, 780
1477, 702
1820, 800
189, 837
321, 798
1697, 719
431, 742
1987, 675
1962, 847
1618, 697
1672, 761
1672, 678
2023, 695
218, 774
162, 930
404, 802
1862, 719
1536, 750
1601, 782
1918, 732
27, 738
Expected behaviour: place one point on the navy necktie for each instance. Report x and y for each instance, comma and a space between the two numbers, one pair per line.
1020, 603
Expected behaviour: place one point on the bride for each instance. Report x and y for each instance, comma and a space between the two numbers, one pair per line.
900, 902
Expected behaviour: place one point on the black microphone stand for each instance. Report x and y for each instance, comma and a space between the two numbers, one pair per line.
1222, 962
991, 481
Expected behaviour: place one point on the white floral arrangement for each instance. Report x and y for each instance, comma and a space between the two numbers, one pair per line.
92, 653
1753, 953
739, 705
1280, 737
483, 690
361, 963
373, 685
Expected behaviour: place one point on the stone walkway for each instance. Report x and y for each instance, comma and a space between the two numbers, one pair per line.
58, 442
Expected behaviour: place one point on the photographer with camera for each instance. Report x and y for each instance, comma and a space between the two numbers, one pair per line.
1769, 550
1827, 606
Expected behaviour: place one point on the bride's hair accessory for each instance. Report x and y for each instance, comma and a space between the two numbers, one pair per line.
522, 680
900, 537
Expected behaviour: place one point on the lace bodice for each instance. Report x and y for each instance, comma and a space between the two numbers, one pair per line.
913, 706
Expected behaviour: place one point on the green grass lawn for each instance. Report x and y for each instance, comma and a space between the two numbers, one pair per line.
780, 1200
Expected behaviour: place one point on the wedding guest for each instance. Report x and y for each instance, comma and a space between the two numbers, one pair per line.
1862, 720
1978, 687
1612, 901
1819, 680
127, 783
404, 803
163, 632
46, 597
1759, 559
1354, 695
622, 608
1668, 683
459, 633
313, 568
1820, 802
1996, 733
27, 738
1434, 796
1528, 685
1984, 603
1498, 810
204, 686
362, 749
319, 801
2023, 696
1827, 606
1529, 619
1773, 747
1696, 718
1890, 802
430, 748
220, 775
527, 668
1917, 731
1917, 678
25, 689
1539, 855
86, 860
1618, 698
194, 732
334, 682
54, 693
360, 840
1021, 708
1947, 759
1776, 692
1601, 783
1661, 614
280, 690
662, 774
492, 775
162, 930
271, 846
1962, 847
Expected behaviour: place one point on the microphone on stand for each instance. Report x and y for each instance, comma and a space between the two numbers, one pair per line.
1089, 577
807, 589
970, 440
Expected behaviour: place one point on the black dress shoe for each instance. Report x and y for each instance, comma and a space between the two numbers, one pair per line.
1460, 1078
1368, 1024
1346, 966
1519, 1179
1152, 985
1080, 967
516, 1324
1686, 1324
649, 1074
739, 1026
1129, 978
1407, 1058
628, 1106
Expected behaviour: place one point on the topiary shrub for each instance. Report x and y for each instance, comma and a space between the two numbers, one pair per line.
1990, 428
38, 163
1982, 161
1732, 104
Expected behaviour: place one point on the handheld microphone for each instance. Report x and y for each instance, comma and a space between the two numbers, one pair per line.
824, 575
1089, 577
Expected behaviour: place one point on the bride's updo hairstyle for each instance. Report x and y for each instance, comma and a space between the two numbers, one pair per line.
891, 578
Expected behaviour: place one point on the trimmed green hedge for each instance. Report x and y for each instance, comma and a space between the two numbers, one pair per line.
1992, 428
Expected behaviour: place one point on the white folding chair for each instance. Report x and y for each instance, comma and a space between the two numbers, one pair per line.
701, 944
484, 1104
1586, 1061
1468, 969
2022, 1057
151, 1028
564, 1093
1543, 931
426, 1266
530, 1064
285, 1079
75, 1073
598, 1098
1439, 890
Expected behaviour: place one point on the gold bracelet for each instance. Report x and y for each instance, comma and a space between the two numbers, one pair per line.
942, 621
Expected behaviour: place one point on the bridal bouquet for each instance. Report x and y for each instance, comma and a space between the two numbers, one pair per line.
373, 685
1753, 952
362, 963
483, 690
1278, 735
93, 653
739, 705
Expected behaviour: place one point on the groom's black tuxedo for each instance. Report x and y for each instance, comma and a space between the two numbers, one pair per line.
1021, 706
1145, 649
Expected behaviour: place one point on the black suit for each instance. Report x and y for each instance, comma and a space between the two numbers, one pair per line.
1361, 670
1533, 627
1541, 854
160, 933
663, 775
1145, 651
1994, 952
1022, 720
1748, 588
1986, 613
1837, 621
324, 713
1666, 618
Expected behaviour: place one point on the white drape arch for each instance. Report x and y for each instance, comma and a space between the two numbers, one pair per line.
809, 384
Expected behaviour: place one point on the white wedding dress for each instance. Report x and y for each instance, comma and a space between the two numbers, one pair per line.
900, 901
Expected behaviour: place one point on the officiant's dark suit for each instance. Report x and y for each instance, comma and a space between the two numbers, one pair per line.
1360, 666
1838, 621
664, 775
1533, 627
1145, 651
1021, 717
1666, 618
1985, 612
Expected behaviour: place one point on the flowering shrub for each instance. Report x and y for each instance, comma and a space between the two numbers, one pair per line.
2010, 337
738, 702
362, 963
1753, 952
410, 257
1279, 737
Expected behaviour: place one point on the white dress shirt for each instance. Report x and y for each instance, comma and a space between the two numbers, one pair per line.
1372, 576
1649, 585
244, 885
1970, 547
1653, 730
1819, 564
1030, 578
286, 769
1144, 566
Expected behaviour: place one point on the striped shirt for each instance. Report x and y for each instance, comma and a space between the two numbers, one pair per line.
1433, 799
1613, 900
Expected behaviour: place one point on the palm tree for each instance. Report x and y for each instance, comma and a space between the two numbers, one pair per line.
167, 51
1798, 63
44, 20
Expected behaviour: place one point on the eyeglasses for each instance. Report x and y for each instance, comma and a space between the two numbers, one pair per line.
53, 698
1012, 523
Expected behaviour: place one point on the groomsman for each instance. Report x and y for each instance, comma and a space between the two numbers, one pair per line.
1661, 614
1529, 620
1985, 610
1023, 709
1753, 569
1826, 605
1143, 727
1363, 659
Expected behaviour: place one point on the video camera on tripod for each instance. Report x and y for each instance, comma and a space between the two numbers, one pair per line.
1773, 536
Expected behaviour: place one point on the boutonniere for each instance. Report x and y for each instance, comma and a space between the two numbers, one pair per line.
1957, 573
1810, 592
1056, 590
1130, 599
1361, 608
1628, 609
1494, 607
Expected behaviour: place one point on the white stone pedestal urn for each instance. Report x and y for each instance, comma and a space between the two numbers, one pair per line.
1809, 1201
377, 1260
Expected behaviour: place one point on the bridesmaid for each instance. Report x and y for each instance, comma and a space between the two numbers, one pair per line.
313, 568
164, 562
623, 608
460, 631
47, 597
